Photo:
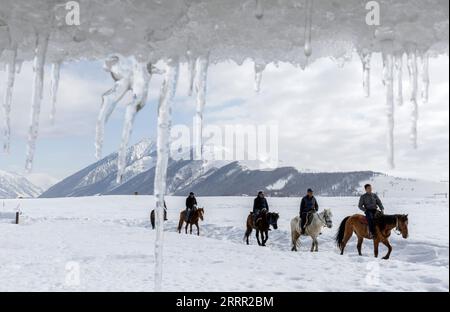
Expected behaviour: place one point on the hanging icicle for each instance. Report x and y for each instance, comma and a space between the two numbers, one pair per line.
413, 84
366, 57
139, 88
388, 81
398, 66
36, 97
308, 27
259, 69
54, 86
425, 77
168, 91
192, 71
120, 73
259, 9
11, 56
200, 88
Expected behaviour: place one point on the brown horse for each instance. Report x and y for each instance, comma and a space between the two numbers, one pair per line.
263, 223
384, 225
194, 219
152, 217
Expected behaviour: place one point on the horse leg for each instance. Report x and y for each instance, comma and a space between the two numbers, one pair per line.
198, 229
313, 244
388, 245
257, 237
316, 242
247, 233
180, 225
376, 243
359, 246
265, 237
190, 230
187, 225
347, 235
295, 237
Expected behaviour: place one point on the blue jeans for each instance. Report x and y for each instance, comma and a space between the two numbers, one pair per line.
370, 215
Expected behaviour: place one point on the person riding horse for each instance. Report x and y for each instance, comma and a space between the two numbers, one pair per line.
369, 204
260, 203
308, 205
191, 205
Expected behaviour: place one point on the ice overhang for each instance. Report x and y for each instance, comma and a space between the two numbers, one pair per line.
265, 30
133, 35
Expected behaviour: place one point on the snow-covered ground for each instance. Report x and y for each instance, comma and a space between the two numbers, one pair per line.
108, 240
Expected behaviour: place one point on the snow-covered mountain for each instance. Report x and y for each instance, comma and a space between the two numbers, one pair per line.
219, 178
13, 185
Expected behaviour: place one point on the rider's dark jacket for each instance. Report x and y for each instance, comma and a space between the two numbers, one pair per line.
370, 202
191, 202
308, 204
259, 204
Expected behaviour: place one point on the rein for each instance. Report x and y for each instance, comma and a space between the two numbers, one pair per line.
397, 227
323, 220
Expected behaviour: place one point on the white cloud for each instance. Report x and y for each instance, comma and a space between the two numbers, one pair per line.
325, 121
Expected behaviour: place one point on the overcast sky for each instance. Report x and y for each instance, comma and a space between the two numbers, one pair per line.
326, 123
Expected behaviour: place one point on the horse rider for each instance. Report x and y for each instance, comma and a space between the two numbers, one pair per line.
369, 203
191, 205
260, 203
308, 205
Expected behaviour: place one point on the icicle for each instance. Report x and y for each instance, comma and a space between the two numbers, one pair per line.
19, 64
259, 9
399, 78
388, 81
168, 90
141, 80
200, 88
425, 77
8, 93
259, 69
110, 99
36, 98
366, 57
54, 85
413, 83
308, 27
192, 72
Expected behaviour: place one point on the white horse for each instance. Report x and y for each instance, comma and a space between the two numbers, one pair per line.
319, 220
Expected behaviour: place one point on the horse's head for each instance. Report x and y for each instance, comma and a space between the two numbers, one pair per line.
201, 212
327, 218
272, 219
402, 225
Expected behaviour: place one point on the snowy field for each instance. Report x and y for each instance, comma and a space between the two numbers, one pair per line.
109, 242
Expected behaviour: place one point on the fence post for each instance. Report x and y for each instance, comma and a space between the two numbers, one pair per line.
17, 217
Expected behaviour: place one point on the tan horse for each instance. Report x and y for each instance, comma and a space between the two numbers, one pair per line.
384, 225
196, 216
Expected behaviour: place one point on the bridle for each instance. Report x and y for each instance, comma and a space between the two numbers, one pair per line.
325, 219
397, 229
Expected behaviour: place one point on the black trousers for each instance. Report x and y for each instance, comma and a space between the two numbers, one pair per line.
370, 215
303, 217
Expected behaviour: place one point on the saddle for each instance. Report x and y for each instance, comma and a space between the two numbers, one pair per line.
309, 218
362, 219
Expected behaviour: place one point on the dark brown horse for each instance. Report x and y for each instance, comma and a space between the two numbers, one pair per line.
384, 225
152, 217
196, 216
263, 223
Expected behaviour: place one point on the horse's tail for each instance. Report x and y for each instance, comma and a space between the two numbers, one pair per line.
152, 219
340, 232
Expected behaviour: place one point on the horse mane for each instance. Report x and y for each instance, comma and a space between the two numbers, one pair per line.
385, 220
